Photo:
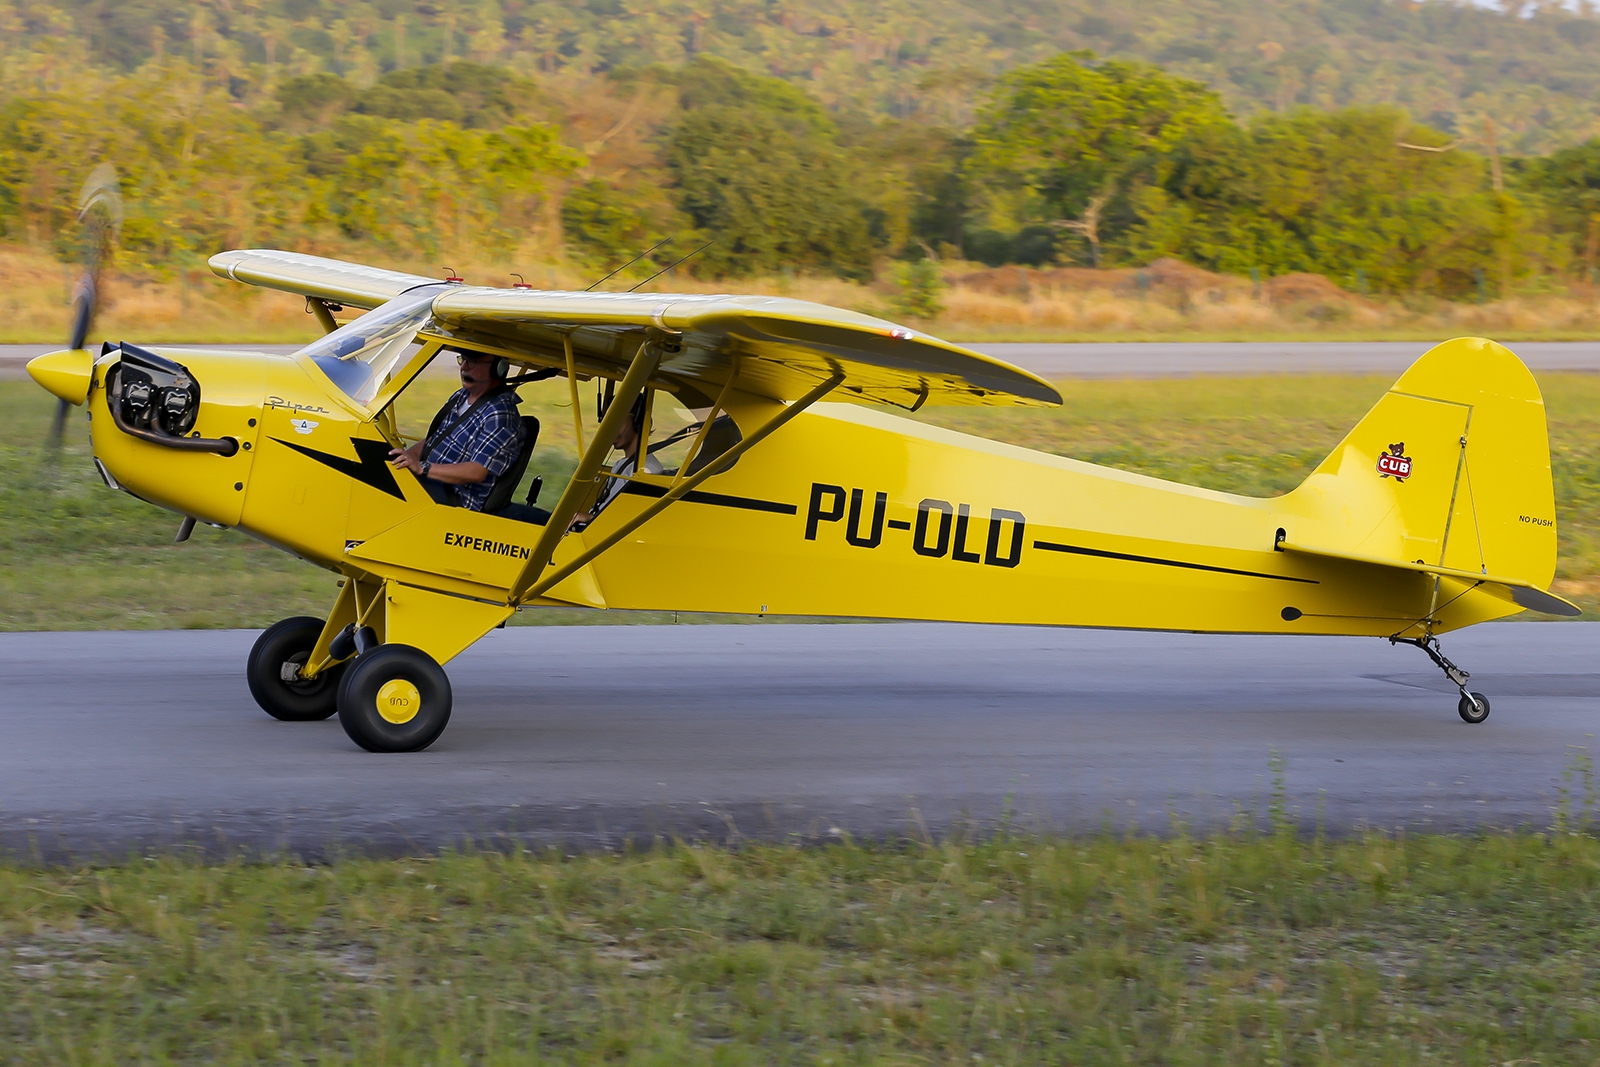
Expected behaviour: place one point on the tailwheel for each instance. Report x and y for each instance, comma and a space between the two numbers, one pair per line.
394, 698
1474, 707
273, 671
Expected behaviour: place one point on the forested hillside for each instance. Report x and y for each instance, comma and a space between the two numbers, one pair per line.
1394, 147
1536, 74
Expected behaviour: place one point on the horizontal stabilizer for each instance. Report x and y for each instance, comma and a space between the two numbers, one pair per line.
1523, 594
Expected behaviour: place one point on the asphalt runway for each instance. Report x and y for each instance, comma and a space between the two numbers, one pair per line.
585, 737
1164, 359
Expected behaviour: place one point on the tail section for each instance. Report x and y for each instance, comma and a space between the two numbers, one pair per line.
1449, 473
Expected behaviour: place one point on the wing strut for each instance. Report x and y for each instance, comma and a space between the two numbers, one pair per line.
643, 366
530, 586
572, 384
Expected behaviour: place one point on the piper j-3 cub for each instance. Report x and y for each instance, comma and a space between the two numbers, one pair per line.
1436, 512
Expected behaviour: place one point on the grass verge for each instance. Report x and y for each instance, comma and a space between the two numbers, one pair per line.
79, 556
1234, 950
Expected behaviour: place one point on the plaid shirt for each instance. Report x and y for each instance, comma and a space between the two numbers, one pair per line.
490, 435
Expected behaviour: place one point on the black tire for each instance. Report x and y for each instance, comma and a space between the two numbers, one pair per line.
420, 689
282, 643
1472, 714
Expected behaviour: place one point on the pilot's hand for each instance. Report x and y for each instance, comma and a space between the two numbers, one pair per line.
404, 460
582, 518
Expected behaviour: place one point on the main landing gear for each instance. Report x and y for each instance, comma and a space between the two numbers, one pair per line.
273, 671
1473, 707
394, 698
390, 698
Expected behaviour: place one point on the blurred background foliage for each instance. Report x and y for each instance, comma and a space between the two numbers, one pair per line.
1433, 148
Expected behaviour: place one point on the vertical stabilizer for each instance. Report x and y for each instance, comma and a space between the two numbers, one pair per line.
1450, 469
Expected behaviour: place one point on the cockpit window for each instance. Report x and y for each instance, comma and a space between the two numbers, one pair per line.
360, 355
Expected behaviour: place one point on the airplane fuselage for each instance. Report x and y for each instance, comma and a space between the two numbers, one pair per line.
847, 511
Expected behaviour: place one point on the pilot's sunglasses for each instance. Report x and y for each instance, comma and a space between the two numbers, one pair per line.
462, 361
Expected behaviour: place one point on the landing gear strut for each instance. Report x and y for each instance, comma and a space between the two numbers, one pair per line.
1473, 707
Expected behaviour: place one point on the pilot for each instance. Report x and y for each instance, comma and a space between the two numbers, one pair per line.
477, 437
627, 440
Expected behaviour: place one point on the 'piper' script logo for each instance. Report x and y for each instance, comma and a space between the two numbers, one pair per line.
279, 403
1395, 463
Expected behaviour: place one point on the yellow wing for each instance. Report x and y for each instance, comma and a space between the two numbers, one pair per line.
332, 280
782, 347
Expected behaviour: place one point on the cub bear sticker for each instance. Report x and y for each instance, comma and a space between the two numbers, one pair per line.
1395, 463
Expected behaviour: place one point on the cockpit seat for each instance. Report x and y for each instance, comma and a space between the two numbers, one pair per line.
499, 502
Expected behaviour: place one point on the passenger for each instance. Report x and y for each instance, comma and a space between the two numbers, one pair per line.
627, 439
478, 435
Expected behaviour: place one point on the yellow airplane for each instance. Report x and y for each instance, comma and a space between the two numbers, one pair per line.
1436, 512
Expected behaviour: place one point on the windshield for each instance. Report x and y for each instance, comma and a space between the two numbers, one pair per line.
360, 355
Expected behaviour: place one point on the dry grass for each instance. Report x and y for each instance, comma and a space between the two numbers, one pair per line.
1167, 301
1172, 300
36, 295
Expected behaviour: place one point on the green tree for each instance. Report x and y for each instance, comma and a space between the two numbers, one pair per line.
608, 225
197, 172
907, 59
1568, 183
436, 187
472, 94
919, 286
757, 167
1352, 193
310, 101
1059, 141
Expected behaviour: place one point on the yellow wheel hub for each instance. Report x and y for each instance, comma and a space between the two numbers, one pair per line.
398, 701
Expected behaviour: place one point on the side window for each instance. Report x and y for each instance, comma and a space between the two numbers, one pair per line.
723, 435
675, 427
415, 406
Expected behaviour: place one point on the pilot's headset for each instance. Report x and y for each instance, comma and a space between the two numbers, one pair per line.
500, 369
635, 413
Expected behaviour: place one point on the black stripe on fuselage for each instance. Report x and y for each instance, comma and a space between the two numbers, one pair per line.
1079, 550
721, 500
371, 467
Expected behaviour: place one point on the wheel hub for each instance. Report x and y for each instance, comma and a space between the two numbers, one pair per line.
293, 676
398, 701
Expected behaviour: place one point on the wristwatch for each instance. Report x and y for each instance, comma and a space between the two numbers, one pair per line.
426, 467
